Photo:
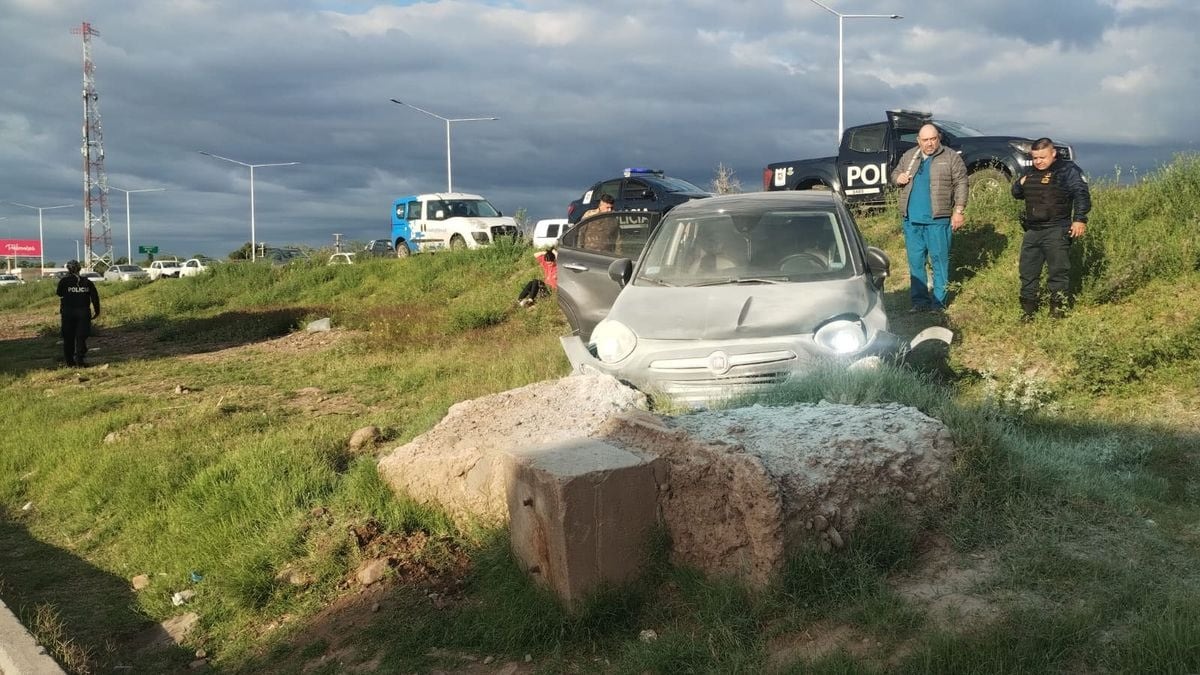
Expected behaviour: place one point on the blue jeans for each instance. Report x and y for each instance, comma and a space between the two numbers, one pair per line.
930, 241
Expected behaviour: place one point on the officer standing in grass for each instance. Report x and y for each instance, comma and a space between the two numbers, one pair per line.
1057, 202
933, 197
79, 304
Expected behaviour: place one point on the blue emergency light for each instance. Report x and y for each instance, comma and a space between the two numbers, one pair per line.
632, 170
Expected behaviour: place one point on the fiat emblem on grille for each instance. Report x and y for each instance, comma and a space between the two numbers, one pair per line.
718, 363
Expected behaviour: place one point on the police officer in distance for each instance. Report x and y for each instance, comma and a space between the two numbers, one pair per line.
1057, 202
78, 296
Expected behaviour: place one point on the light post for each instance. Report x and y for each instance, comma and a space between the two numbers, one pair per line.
128, 234
41, 240
841, 17
253, 241
77, 249
447, 120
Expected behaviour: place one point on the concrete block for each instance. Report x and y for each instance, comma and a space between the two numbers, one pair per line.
580, 512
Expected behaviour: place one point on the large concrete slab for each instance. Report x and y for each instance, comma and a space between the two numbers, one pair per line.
580, 514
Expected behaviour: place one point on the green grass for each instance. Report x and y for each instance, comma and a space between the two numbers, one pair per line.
210, 446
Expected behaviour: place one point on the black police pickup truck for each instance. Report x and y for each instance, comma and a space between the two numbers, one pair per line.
637, 190
869, 152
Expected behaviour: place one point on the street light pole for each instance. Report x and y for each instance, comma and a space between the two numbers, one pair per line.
128, 231
447, 120
41, 239
841, 18
252, 167
77, 249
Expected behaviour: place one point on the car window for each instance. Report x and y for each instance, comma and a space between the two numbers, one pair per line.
779, 245
635, 189
677, 185
608, 187
414, 211
870, 138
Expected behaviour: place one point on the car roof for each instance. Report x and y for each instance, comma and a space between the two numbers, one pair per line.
799, 198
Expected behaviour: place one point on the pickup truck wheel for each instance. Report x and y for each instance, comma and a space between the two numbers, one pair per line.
402, 249
457, 243
987, 179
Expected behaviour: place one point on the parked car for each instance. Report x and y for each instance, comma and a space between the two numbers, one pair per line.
10, 280
453, 220
547, 231
637, 190
341, 259
196, 266
160, 269
96, 277
730, 294
54, 275
283, 256
125, 273
379, 248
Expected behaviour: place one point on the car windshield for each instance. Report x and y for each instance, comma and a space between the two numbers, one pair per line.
168, 263
958, 128
678, 185
128, 268
747, 244
462, 208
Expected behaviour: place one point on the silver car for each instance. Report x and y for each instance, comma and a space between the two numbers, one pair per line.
730, 294
125, 273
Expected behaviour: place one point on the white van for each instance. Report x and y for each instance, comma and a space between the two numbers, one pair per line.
547, 231
446, 220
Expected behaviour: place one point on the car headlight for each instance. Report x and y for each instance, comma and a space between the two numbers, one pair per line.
480, 237
613, 341
842, 336
1022, 147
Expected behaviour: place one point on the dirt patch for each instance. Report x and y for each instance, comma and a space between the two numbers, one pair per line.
947, 584
292, 343
315, 402
22, 326
819, 641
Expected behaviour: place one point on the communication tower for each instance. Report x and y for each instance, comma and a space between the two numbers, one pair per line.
97, 232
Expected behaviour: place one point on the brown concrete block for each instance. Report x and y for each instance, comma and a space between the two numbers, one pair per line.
579, 514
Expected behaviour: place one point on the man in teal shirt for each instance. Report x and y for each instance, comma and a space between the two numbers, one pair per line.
933, 197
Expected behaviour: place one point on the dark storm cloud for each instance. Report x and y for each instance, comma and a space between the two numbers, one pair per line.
582, 91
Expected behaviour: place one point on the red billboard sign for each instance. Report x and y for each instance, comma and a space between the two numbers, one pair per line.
21, 248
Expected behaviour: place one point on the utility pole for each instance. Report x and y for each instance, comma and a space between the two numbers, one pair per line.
97, 232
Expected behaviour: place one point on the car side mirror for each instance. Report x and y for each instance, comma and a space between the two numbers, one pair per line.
878, 266
499, 212
620, 271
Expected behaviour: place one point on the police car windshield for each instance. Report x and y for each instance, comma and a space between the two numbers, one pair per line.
677, 185
958, 128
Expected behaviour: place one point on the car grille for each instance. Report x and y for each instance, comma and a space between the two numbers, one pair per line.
504, 231
718, 375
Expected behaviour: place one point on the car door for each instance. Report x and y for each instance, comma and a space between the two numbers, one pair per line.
585, 291
862, 162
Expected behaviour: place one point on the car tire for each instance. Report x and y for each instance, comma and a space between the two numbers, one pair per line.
988, 179
457, 243
402, 250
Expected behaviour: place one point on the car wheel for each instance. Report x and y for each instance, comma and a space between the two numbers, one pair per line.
402, 250
987, 179
457, 243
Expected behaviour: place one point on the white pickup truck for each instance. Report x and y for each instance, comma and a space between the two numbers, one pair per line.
160, 269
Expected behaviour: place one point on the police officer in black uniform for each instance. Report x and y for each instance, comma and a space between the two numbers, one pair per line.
1057, 202
79, 305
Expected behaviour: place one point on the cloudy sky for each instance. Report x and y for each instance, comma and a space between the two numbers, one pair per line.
582, 90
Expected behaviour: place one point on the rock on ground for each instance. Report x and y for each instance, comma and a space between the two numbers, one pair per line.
742, 487
459, 463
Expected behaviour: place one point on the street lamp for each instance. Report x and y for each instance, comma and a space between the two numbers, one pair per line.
253, 241
447, 120
128, 235
841, 17
39, 209
77, 249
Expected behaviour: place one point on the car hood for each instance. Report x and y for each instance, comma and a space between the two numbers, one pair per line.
481, 223
740, 311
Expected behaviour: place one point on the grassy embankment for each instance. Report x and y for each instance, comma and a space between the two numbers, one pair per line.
1076, 483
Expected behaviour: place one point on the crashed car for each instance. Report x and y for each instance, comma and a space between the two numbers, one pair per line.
729, 295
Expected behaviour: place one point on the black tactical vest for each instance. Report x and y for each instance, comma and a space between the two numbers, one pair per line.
1046, 201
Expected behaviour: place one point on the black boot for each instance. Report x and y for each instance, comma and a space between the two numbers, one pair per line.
1058, 306
1028, 309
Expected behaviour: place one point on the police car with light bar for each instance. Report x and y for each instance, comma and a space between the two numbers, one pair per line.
638, 189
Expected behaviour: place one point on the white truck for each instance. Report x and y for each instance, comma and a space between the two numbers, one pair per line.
452, 220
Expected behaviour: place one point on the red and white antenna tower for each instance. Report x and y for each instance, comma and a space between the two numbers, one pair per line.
97, 232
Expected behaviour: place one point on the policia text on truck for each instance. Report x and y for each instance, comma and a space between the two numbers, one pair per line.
868, 154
